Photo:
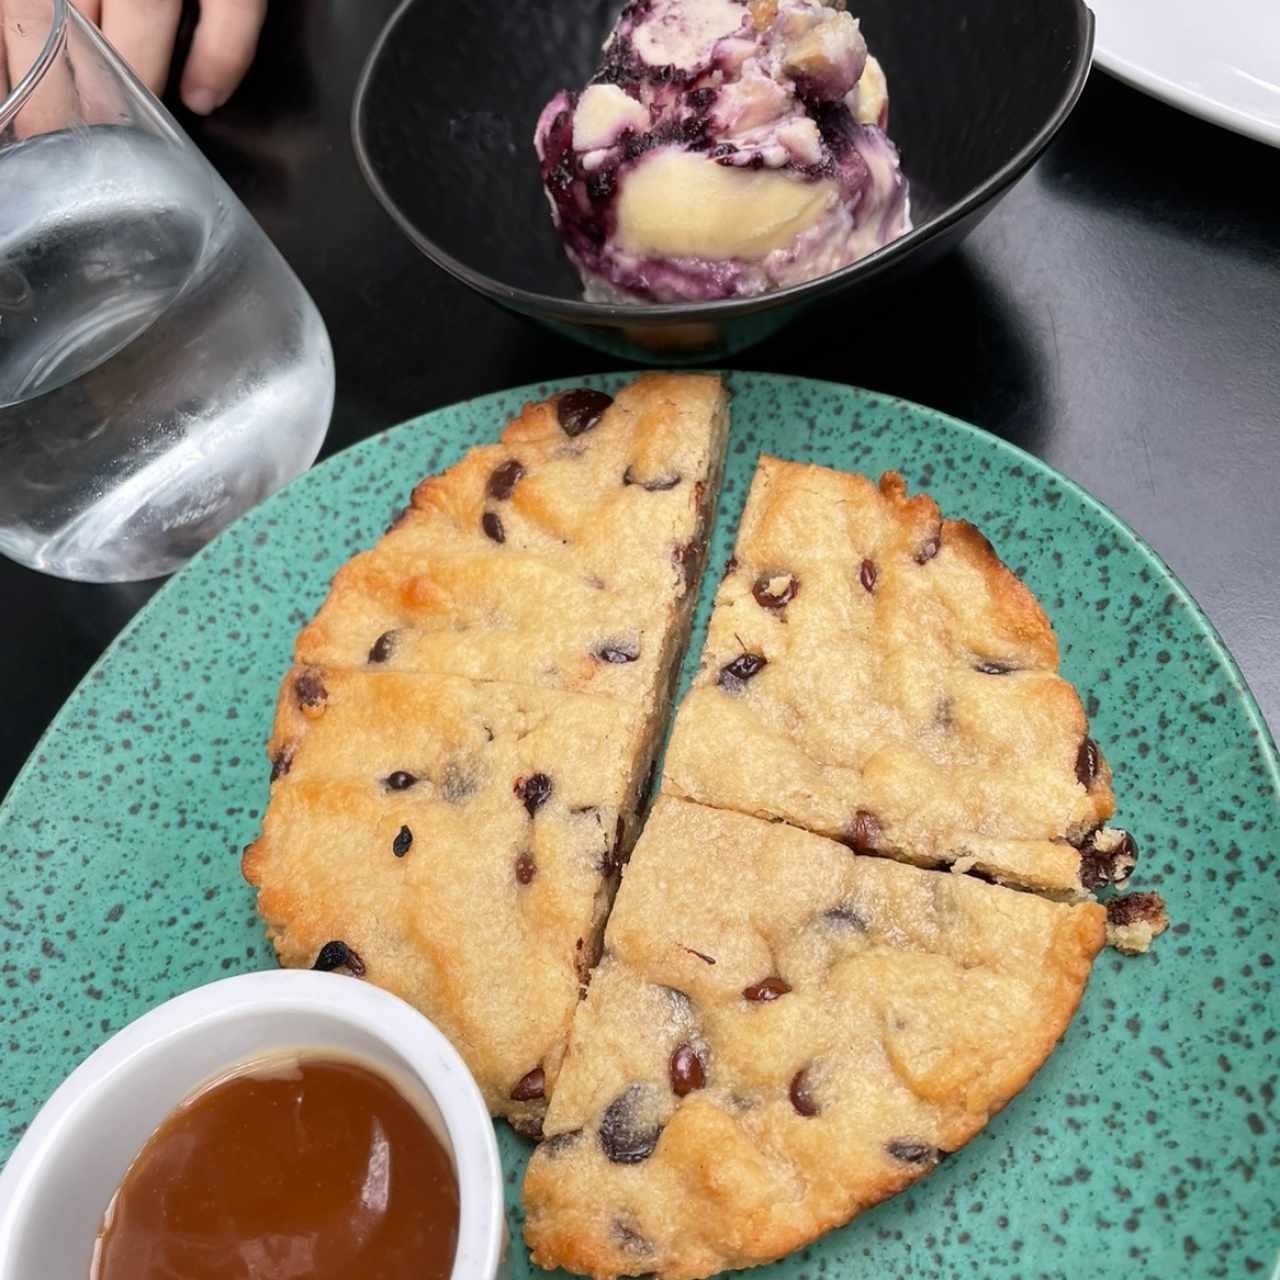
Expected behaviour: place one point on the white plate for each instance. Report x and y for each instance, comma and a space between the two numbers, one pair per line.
1218, 59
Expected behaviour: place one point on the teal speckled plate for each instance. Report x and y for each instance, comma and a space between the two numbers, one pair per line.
1146, 1147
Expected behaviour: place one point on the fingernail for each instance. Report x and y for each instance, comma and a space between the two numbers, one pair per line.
201, 101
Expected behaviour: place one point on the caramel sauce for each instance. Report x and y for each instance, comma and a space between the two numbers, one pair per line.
307, 1168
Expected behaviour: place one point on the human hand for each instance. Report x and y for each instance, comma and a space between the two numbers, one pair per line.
143, 32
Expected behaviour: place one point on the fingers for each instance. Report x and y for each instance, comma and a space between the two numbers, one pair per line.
24, 29
143, 32
221, 51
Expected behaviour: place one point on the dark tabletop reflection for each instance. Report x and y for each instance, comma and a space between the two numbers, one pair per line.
956, 342
1118, 315
1127, 156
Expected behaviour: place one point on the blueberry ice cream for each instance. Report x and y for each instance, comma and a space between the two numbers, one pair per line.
723, 149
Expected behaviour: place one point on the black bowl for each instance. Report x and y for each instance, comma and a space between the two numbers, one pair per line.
445, 110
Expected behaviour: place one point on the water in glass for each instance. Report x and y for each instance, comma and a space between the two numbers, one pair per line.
161, 368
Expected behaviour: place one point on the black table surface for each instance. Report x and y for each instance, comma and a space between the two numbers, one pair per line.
1118, 316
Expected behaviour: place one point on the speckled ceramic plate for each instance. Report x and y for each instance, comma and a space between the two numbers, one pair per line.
1147, 1145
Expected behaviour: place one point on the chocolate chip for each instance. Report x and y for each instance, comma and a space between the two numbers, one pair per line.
580, 410
1085, 841
769, 596
844, 917
282, 762
687, 1070
1087, 762
994, 668
864, 832
534, 791
1099, 867
309, 689
730, 567
766, 989
746, 666
659, 484
631, 1240
867, 575
801, 1098
503, 481
617, 651
492, 526
627, 1135
1094, 869
399, 781
530, 1086
526, 868
559, 1143
402, 843
928, 549
380, 651
527, 1126
911, 1152
337, 955
1135, 907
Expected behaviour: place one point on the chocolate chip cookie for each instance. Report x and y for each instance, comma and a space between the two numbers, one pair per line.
886, 681
463, 750
781, 1034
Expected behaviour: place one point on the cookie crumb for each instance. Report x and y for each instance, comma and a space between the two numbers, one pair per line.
1134, 921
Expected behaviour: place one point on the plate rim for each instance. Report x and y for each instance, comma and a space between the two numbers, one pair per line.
1203, 106
537, 390
475, 417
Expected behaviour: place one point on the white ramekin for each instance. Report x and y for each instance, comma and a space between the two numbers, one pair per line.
57, 1183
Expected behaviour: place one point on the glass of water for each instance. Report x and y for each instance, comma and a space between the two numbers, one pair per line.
161, 367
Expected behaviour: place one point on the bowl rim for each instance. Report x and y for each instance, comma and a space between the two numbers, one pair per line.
203, 1011
622, 315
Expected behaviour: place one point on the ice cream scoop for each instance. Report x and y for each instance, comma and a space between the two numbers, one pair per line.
724, 148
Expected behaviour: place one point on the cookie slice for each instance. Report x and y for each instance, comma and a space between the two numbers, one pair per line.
565, 557
888, 682
456, 843
780, 1035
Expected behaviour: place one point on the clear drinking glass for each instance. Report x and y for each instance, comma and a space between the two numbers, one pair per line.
161, 367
